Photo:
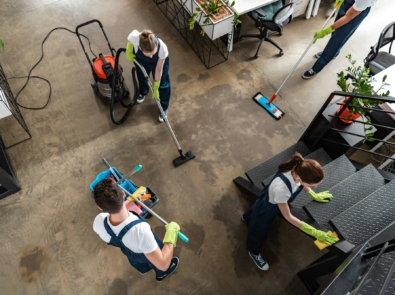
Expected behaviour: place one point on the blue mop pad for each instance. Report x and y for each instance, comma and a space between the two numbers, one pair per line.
274, 111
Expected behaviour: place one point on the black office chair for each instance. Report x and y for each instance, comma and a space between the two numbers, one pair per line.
377, 60
282, 17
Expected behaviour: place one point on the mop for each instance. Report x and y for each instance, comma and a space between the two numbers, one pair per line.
184, 157
268, 104
180, 234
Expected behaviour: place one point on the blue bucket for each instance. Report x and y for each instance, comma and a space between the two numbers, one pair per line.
127, 184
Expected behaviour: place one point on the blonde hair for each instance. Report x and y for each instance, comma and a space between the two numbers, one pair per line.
148, 41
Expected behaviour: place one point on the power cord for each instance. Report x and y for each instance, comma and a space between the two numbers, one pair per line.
41, 78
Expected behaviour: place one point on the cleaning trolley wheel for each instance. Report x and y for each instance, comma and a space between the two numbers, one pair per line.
281, 53
95, 88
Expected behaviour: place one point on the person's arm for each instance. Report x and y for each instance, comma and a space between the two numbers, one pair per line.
159, 69
161, 258
318, 234
350, 14
284, 208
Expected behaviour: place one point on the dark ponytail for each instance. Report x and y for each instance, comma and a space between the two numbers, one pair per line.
309, 171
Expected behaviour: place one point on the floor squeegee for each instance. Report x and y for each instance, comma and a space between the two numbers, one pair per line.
267, 104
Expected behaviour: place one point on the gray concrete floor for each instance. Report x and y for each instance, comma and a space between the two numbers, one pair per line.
47, 243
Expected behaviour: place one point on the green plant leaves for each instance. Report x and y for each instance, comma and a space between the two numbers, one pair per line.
2, 43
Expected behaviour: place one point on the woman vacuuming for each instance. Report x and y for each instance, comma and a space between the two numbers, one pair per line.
151, 52
291, 178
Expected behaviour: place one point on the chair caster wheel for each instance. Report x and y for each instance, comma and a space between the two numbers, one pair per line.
281, 53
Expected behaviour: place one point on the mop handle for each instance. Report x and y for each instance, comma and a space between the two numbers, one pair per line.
159, 105
180, 235
112, 170
300, 59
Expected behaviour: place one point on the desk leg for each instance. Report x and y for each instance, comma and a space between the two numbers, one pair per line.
230, 41
316, 6
310, 9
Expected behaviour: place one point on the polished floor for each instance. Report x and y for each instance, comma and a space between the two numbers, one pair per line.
47, 243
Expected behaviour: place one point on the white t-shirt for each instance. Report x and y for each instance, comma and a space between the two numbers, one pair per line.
278, 190
139, 238
134, 38
361, 5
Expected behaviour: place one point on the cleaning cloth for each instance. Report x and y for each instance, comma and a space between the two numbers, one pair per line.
322, 245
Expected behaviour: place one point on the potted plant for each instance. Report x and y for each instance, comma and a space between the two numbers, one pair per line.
214, 16
362, 83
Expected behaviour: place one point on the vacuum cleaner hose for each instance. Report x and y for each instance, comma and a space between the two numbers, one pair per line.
120, 96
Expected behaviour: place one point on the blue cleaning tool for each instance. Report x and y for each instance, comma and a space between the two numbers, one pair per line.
263, 101
136, 169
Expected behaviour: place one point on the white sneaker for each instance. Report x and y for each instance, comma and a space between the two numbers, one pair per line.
161, 119
140, 99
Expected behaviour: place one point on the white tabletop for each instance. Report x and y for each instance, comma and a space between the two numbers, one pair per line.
390, 72
244, 6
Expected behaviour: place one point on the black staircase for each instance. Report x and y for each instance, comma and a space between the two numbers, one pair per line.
362, 211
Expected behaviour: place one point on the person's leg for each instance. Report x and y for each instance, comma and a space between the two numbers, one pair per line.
143, 268
158, 272
257, 234
248, 214
338, 39
164, 88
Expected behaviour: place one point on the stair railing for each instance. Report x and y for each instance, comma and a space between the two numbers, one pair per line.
314, 136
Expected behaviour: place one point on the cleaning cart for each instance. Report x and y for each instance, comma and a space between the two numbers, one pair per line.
130, 187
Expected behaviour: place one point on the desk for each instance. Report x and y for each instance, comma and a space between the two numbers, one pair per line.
383, 118
390, 72
244, 6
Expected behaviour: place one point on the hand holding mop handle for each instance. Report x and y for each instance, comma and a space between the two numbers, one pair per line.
180, 235
300, 59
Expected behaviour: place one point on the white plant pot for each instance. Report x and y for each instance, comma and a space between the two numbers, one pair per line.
214, 30
187, 4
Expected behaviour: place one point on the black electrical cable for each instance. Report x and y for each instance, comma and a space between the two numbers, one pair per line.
38, 77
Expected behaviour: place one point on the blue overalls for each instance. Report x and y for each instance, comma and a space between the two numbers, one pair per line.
137, 260
340, 36
150, 65
260, 217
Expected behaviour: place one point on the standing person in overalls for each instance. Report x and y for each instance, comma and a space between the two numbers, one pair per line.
151, 52
132, 233
292, 176
350, 16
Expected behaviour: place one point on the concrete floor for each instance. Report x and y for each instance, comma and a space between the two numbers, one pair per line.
47, 243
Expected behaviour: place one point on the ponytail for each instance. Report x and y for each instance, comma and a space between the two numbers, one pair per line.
309, 171
148, 41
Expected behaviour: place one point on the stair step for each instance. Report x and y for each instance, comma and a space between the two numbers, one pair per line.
269, 167
363, 220
346, 194
319, 155
335, 172
376, 279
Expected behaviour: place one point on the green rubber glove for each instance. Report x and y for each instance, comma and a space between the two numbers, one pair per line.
338, 3
155, 94
129, 52
171, 235
322, 33
318, 234
323, 197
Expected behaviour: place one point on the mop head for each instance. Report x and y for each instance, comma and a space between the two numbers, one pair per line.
274, 111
